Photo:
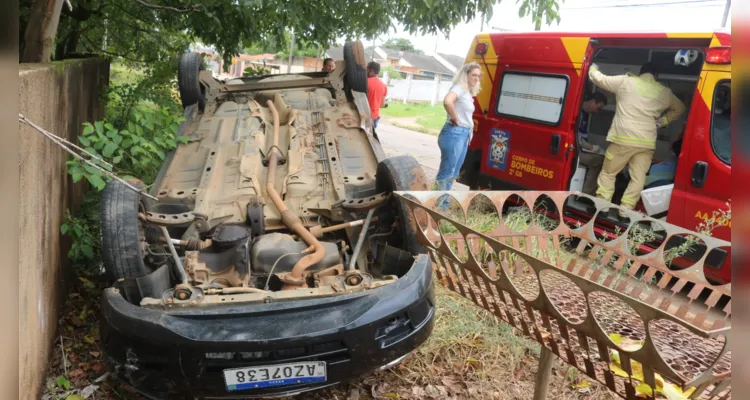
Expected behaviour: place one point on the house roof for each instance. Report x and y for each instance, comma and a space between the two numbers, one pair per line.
420, 61
456, 61
426, 63
337, 53
392, 53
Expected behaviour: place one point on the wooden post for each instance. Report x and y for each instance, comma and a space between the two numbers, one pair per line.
543, 373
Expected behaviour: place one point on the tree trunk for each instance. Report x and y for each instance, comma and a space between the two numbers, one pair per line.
40, 32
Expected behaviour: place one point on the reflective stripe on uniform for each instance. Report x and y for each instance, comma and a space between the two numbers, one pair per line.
622, 139
604, 194
628, 201
608, 155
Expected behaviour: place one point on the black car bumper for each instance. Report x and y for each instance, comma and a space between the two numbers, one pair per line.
164, 354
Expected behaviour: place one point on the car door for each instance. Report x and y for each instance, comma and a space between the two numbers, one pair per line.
531, 129
703, 181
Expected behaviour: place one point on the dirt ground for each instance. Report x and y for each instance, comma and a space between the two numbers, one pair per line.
470, 355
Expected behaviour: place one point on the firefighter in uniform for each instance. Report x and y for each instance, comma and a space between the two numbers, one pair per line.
640, 111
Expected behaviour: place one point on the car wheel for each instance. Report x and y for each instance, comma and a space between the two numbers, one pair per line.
121, 231
396, 174
188, 80
356, 73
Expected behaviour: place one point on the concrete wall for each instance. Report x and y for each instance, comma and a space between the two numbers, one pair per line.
420, 90
58, 97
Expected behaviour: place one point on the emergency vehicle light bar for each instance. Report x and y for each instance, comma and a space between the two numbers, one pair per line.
719, 55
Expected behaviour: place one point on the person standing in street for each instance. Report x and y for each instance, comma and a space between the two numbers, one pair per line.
641, 105
589, 156
454, 138
376, 91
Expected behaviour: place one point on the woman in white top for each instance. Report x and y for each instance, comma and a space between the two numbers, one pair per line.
456, 133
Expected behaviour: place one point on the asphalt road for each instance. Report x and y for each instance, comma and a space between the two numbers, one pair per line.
399, 141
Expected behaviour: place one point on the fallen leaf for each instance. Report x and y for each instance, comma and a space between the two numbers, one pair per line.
618, 371
626, 343
582, 384
94, 354
353, 394
452, 385
77, 373
643, 391
672, 392
432, 391
418, 392
89, 391
392, 395
443, 391
74, 397
88, 339
98, 367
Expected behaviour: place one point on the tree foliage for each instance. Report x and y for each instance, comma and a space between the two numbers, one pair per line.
149, 30
401, 44
256, 71
541, 11
393, 73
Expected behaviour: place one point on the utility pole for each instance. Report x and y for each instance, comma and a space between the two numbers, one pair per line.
726, 13
373, 49
291, 55
481, 29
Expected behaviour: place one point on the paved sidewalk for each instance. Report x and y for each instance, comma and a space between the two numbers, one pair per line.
423, 147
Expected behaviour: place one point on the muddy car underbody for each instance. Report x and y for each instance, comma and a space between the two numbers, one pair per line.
275, 259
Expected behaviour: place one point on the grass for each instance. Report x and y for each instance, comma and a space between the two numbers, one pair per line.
421, 117
470, 355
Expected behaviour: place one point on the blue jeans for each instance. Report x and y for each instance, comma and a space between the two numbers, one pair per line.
453, 142
375, 122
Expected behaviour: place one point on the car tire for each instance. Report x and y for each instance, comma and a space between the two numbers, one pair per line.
356, 72
120, 231
188, 80
396, 174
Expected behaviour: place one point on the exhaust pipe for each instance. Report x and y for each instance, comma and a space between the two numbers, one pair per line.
294, 279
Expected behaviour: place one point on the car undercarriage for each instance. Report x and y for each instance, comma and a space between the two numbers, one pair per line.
282, 194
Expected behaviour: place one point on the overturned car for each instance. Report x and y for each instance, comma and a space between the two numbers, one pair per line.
275, 259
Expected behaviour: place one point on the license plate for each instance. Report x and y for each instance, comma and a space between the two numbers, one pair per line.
275, 375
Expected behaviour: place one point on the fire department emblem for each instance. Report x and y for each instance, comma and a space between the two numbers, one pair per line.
499, 146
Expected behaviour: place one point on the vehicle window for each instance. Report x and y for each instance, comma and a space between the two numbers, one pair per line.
532, 97
721, 122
